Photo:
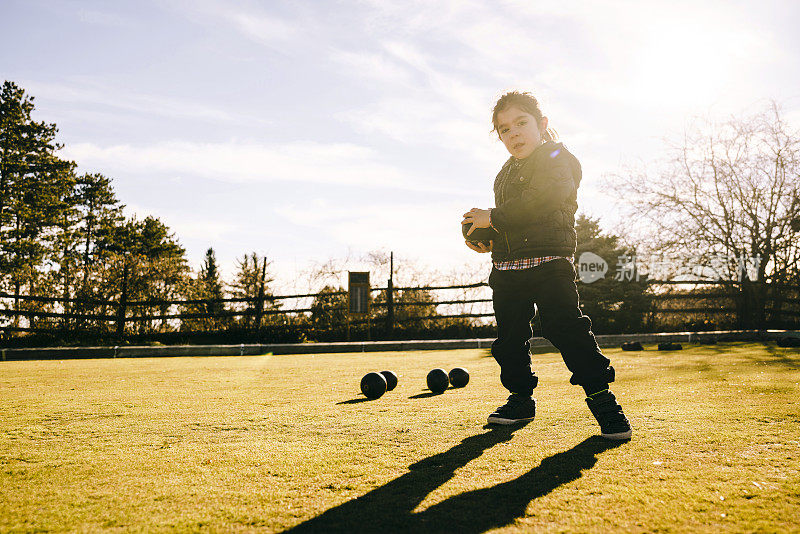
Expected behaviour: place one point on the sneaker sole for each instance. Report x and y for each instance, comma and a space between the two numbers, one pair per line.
619, 435
504, 421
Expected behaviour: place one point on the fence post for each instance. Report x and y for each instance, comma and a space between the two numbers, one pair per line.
260, 301
16, 302
390, 297
122, 304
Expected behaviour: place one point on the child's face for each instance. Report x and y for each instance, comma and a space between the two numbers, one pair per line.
519, 131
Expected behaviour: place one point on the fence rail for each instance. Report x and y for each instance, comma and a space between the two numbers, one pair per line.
134, 312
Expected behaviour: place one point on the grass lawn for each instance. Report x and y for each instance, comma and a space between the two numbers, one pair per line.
272, 443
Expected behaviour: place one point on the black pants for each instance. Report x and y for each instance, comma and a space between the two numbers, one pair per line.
551, 288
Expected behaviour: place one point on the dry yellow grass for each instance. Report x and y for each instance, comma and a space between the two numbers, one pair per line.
274, 442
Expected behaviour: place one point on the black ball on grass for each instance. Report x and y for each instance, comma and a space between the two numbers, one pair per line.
438, 380
373, 385
459, 377
391, 380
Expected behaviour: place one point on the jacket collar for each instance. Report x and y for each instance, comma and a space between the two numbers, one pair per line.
551, 146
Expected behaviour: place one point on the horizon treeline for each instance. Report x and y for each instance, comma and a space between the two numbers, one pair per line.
64, 234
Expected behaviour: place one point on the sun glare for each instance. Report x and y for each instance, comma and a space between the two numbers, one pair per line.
685, 63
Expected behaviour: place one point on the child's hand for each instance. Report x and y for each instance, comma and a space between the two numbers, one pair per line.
480, 246
478, 217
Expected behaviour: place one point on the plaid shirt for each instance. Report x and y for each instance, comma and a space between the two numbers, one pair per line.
524, 263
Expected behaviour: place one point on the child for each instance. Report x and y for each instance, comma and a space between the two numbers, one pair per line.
536, 200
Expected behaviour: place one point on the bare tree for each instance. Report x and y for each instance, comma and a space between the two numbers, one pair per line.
726, 194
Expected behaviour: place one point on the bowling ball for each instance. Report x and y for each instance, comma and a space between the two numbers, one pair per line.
459, 377
373, 385
479, 235
438, 380
391, 380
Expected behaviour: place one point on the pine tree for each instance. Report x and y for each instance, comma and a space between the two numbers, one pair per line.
329, 313
62, 234
99, 212
156, 265
210, 282
251, 279
34, 182
206, 286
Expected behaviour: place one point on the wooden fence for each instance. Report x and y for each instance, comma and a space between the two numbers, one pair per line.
125, 311
118, 315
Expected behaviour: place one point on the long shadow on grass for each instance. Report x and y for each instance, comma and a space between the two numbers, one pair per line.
355, 401
427, 395
389, 508
787, 356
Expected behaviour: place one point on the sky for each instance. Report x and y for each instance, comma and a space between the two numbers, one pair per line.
305, 131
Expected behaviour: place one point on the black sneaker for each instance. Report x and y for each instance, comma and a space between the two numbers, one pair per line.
613, 423
519, 408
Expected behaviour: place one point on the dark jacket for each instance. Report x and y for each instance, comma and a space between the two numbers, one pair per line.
536, 201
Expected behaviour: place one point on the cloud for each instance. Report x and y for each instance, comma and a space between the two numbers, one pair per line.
185, 226
479, 37
665, 58
430, 229
102, 18
375, 66
94, 95
669, 56
452, 89
261, 28
614, 78
430, 99
309, 162
421, 104
426, 122
247, 20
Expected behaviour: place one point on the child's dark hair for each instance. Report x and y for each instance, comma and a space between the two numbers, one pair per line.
527, 103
